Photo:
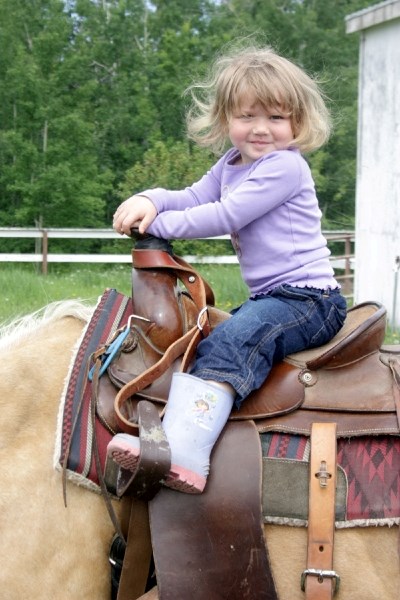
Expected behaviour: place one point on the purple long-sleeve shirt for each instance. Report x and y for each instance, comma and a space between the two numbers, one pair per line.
270, 209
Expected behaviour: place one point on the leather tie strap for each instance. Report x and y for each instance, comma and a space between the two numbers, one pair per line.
137, 558
319, 581
185, 346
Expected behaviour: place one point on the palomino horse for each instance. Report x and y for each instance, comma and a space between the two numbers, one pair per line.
50, 551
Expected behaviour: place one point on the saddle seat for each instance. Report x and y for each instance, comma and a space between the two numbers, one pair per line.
362, 334
349, 381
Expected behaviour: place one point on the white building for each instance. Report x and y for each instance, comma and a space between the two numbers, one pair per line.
377, 234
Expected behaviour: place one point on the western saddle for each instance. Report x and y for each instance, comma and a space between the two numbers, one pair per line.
348, 387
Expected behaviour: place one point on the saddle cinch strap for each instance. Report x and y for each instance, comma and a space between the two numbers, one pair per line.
326, 383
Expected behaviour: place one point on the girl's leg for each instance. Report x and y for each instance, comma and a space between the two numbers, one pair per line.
242, 350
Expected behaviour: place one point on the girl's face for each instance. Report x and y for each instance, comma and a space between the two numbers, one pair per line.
256, 131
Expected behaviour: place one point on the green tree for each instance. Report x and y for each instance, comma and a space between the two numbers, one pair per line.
91, 87
170, 166
48, 152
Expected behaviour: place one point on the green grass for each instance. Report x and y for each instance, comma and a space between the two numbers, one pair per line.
392, 337
25, 290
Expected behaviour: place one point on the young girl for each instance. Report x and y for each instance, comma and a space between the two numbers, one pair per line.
261, 192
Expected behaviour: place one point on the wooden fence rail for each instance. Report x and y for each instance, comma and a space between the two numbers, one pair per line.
343, 263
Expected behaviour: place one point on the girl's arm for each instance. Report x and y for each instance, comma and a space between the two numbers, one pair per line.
141, 209
270, 184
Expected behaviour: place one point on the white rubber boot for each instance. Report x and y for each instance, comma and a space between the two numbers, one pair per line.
196, 413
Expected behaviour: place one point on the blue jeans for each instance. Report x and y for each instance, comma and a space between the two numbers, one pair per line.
262, 331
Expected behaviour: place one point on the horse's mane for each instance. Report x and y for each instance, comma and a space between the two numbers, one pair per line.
16, 330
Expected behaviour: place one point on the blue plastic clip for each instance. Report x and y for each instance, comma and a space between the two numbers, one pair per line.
111, 351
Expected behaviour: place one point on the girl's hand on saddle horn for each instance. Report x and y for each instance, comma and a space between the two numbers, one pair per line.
136, 211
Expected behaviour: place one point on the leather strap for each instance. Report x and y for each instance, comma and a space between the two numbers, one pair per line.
319, 581
155, 457
138, 552
211, 545
186, 343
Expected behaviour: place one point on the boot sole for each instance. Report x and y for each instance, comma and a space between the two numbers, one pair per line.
125, 453
183, 480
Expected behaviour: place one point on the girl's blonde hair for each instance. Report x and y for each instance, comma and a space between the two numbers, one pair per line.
274, 81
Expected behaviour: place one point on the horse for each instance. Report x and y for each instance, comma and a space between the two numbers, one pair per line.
50, 550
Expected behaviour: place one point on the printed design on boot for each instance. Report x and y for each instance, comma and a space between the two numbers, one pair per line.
204, 406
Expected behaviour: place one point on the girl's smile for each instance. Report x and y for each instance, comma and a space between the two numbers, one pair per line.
256, 131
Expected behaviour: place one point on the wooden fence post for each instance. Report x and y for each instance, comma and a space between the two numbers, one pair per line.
45, 249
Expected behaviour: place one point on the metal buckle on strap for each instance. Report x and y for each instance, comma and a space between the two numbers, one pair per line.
321, 574
201, 313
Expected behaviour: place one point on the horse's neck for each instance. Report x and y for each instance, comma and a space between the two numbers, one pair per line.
32, 374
